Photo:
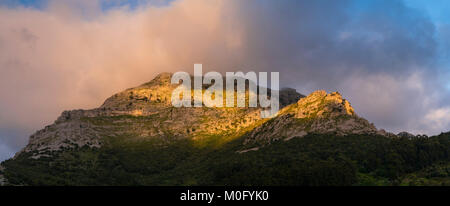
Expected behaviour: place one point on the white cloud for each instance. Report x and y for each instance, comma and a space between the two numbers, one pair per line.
437, 119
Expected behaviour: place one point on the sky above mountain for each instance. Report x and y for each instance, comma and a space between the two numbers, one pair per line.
389, 58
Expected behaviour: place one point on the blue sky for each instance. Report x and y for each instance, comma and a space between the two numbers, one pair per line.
27, 3
105, 4
438, 10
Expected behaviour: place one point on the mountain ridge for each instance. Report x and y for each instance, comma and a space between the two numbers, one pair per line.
137, 138
299, 115
152, 99
318, 113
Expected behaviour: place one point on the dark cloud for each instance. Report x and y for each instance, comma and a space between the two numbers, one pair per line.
11, 141
382, 55
323, 38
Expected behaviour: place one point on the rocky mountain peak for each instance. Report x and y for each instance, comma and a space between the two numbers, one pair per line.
160, 79
321, 104
145, 112
144, 98
318, 113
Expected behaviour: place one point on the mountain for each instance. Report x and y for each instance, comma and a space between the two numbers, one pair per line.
145, 112
318, 113
136, 137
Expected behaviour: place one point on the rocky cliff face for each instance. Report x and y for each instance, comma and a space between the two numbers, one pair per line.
318, 113
145, 112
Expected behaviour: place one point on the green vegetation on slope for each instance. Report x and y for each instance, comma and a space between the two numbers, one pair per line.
311, 160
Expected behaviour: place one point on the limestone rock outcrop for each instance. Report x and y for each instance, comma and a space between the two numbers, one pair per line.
144, 112
318, 113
